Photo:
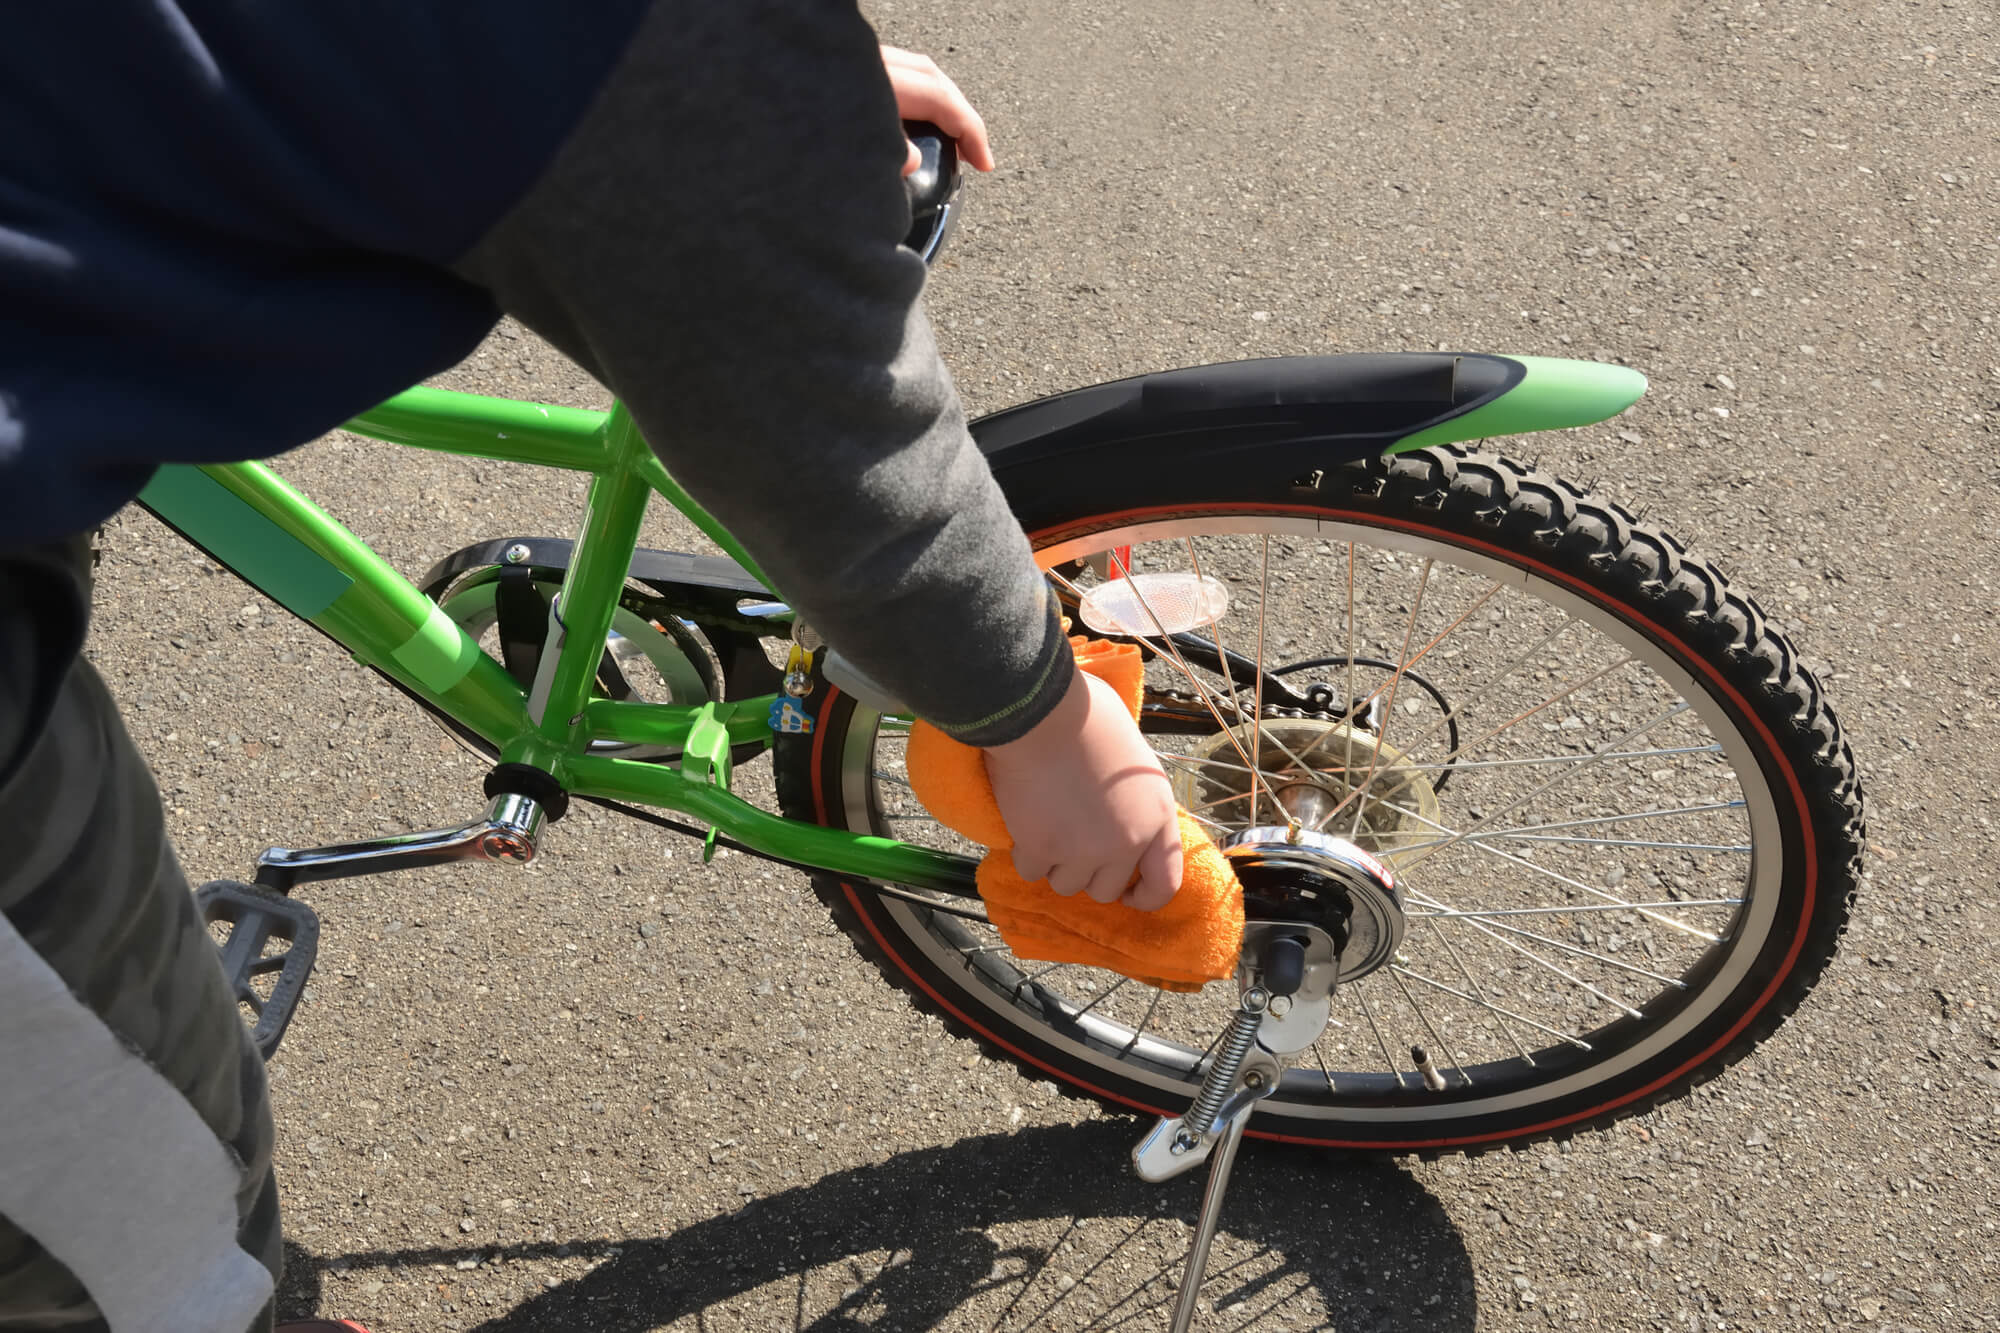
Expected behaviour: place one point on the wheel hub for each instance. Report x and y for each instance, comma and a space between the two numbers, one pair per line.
1291, 874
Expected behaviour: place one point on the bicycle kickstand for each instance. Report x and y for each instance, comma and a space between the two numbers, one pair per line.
1285, 995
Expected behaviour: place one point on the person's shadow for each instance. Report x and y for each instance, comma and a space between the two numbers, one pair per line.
1374, 1247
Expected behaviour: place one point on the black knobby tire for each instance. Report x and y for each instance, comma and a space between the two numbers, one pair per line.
1730, 965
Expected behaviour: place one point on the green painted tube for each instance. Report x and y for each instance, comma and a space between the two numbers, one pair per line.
662, 481
546, 436
596, 575
287, 547
667, 724
838, 850
466, 423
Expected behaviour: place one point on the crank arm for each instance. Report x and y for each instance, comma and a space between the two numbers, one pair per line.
507, 834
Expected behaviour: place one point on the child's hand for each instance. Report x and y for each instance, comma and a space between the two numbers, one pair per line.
925, 92
1088, 803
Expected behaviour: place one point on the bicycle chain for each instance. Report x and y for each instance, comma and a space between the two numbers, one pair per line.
1271, 712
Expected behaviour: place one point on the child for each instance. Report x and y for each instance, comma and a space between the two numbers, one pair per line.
227, 227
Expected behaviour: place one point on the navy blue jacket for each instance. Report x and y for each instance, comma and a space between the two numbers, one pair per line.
225, 225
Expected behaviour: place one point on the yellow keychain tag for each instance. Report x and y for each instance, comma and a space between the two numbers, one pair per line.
788, 711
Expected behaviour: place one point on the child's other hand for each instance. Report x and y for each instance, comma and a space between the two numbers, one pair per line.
1088, 803
925, 92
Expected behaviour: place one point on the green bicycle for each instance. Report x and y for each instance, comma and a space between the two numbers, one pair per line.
1616, 823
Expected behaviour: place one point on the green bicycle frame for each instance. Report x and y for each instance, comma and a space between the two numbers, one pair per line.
255, 524
283, 544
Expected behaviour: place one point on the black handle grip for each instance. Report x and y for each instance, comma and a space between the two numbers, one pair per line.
932, 186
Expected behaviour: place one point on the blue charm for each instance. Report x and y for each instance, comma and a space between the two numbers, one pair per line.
790, 718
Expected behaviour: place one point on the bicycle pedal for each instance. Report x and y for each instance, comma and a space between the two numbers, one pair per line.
257, 917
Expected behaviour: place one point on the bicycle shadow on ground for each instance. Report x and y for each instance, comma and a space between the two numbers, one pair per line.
961, 1235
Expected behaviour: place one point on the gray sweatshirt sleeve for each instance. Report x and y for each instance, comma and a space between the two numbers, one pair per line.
718, 242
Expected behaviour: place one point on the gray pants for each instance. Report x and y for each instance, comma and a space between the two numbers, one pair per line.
135, 1129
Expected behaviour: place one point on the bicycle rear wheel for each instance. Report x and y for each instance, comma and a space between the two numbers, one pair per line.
1624, 820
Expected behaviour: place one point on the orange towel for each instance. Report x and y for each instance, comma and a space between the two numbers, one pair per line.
1193, 939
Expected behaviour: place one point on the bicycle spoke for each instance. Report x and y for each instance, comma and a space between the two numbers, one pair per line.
1557, 1033
1466, 747
1217, 825
1470, 765
1220, 800
1222, 648
1315, 776
1347, 744
1360, 794
1361, 996
1444, 1047
1107, 993
1173, 653
1559, 779
1536, 831
1189, 761
1594, 891
1321, 1057
1197, 1073
1145, 1018
1451, 947
1572, 978
1597, 820
1481, 913
1421, 653
1036, 976
1478, 993
1736, 849
1403, 869
1486, 686
967, 909
1725, 848
1582, 952
1257, 718
1482, 688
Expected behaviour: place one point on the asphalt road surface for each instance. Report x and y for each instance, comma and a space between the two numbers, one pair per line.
624, 1091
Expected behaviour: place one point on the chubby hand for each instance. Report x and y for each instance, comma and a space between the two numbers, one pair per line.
925, 92
1088, 803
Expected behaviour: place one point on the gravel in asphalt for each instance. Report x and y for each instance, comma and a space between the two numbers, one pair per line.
621, 1090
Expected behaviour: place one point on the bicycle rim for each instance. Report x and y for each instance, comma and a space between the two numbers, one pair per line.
1606, 853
